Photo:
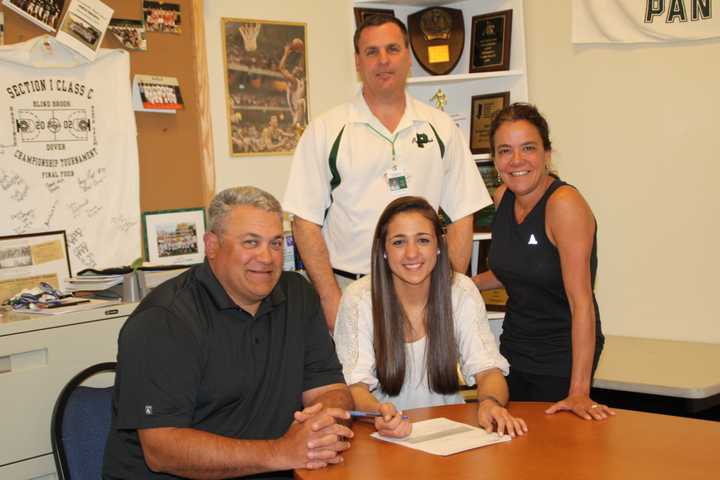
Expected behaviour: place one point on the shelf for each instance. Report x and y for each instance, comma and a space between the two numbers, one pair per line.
481, 157
482, 236
417, 3
463, 77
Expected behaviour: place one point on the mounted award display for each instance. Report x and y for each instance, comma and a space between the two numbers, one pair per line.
437, 37
362, 14
490, 42
482, 110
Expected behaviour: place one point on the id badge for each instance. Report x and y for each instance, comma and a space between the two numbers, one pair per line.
396, 181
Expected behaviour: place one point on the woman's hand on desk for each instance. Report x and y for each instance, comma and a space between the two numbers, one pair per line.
582, 406
491, 414
391, 423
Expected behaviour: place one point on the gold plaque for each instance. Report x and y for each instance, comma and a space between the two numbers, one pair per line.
482, 110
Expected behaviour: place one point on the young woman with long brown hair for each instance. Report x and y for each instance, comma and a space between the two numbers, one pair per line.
402, 331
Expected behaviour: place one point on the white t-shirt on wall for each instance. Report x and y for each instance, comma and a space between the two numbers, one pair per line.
68, 150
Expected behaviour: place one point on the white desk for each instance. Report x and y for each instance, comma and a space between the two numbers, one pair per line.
689, 370
38, 356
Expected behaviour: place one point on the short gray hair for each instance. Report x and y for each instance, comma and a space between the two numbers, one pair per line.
225, 201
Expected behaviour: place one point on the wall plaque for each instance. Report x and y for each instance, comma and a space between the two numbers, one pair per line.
437, 37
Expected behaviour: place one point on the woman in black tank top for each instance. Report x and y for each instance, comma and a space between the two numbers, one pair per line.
543, 252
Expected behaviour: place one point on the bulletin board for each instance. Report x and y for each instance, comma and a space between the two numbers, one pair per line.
176, 166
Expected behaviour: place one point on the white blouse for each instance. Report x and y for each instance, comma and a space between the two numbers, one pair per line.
354, 343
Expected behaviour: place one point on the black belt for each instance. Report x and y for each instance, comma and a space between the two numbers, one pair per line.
351, 276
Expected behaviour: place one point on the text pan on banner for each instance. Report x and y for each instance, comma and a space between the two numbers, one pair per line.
643, 21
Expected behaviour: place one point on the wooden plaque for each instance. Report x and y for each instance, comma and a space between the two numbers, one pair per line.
437, 37
490, 42
361, 14
481, 112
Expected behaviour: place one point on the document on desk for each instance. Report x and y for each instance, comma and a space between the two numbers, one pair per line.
88, 304
441, 436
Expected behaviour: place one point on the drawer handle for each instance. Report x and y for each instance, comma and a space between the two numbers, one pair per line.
23, 360
113, 311
5, 364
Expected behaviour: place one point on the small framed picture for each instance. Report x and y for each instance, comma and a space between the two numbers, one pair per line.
482, 220
490, 42
361, 14
26, 260
482, 109
174, 237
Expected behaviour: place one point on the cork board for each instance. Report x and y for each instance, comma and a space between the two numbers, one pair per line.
175, 170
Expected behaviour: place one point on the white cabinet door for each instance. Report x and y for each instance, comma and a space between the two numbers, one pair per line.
41, 363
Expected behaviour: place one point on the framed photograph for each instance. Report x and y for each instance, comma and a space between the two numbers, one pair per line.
482, 220
174, 237
27, 260
490, 42
482, 109
363, 13
266, 85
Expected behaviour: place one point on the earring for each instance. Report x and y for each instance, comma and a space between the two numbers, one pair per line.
499, 178
438, 252
385, 256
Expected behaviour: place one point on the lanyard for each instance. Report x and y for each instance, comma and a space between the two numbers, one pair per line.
390, 141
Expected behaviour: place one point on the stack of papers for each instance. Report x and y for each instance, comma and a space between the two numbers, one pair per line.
85, 304
149, 279
441, 436
92, 282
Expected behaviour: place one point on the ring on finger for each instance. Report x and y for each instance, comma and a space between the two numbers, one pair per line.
594, 405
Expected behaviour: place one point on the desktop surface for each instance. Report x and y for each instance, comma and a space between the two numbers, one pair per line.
631, 445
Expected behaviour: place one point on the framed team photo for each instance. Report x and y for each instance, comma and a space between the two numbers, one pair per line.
266, 85
174, 237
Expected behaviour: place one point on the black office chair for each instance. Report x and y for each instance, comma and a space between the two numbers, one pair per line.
80, 426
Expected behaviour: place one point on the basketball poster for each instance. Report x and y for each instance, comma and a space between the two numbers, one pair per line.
266, 85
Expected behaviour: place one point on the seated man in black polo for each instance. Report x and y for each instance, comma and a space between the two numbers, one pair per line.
228, 370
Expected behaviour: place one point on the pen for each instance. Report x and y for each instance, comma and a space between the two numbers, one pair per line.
360, 414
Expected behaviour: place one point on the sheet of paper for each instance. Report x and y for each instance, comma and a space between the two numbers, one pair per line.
84, 25
441, 436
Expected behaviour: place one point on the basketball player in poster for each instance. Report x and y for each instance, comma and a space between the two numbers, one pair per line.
295, 82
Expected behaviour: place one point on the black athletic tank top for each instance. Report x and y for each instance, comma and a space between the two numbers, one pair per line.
536, 334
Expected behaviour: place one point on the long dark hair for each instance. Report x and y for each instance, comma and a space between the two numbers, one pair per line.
389, 317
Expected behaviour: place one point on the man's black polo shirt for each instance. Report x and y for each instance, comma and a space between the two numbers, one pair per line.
190, 357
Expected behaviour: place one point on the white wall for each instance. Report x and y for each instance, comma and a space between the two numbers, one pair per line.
637, 129
331, 77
